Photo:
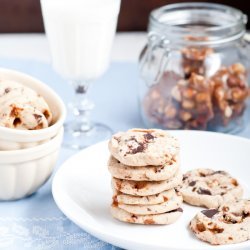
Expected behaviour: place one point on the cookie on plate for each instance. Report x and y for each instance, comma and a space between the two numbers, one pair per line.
145, 188
230, 223
142, 173
169, 205
157, 219
144, 200
209, 188
143, 147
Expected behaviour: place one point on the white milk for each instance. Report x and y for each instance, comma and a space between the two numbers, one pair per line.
80, 34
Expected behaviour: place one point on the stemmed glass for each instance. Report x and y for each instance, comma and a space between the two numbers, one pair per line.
80, 35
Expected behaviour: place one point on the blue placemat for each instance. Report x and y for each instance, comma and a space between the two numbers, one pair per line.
36, 222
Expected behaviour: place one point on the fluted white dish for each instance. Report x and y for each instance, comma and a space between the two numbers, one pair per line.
23, 171
13, 139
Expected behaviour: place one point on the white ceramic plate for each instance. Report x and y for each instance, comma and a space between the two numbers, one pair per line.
82, 190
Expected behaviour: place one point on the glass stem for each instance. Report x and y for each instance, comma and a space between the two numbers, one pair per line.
82, 106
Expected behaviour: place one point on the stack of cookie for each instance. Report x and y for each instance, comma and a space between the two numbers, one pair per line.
144, 165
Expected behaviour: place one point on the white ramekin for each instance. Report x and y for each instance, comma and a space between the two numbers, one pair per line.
13, 139
23, 171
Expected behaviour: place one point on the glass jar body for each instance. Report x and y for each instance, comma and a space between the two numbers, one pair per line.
195, 83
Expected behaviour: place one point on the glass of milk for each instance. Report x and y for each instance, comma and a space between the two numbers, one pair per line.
80, 35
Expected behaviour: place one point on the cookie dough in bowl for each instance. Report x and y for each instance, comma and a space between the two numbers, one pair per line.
32, 113
22, 107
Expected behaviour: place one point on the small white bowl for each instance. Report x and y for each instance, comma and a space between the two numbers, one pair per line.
23, 171
13, 139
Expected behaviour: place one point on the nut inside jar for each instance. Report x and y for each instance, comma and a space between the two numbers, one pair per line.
201, 80
207, 94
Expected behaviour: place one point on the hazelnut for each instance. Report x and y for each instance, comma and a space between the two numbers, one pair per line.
237, 68
195, 124
184, 115
173, 124
176, 93
155, 94
205, 109
219, 93
222, 104
238, 95
170, 111
234, 81
197, 80
189, 93
203, 97
186, 104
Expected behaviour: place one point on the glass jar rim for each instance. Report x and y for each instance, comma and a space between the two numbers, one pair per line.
231, 23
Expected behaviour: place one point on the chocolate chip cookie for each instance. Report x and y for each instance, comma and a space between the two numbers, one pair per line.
153, 219
145, 188
143, 173
228, 224
166, 206
143, 200
209, 188
143, 147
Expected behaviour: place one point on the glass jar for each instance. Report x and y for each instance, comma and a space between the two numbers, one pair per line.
194, 69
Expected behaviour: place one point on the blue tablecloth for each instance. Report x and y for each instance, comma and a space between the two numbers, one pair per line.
36, 222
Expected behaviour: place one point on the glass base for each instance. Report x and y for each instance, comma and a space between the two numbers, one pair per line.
76, 137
